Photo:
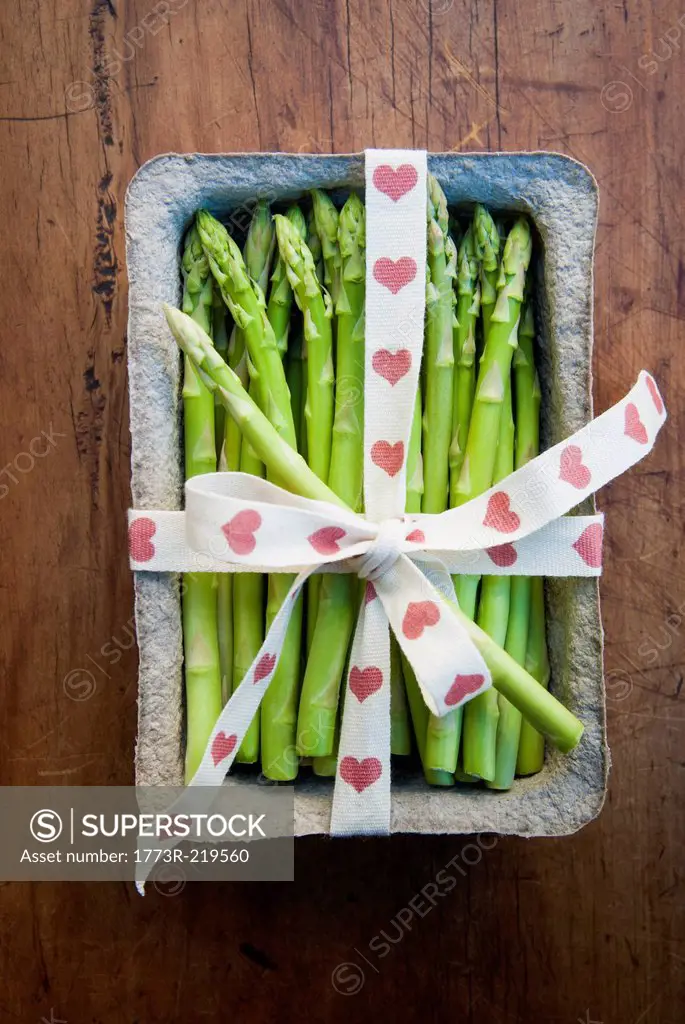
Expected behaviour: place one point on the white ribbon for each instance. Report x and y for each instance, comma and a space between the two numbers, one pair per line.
233, 522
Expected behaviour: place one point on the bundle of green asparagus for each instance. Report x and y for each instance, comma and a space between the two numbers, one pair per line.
276, 331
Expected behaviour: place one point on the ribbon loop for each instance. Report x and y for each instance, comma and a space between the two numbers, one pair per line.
383, 551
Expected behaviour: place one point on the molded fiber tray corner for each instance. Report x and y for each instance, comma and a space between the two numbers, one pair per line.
560, 196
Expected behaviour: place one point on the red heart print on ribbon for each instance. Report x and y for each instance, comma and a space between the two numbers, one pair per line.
589, 545
656, 397
325, 540
365, 682
392, 366
462, 687
395, 182
265, 667
418, 615
222, 746
240, 531
634, 427
416, 537
388, 457
394, 274
572, 470
369, 593
498, 514
140, 533
502, 554
360, 774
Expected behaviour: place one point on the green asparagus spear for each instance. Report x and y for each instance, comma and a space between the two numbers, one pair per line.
415, 460
501, 339
281, 294
527, 393
441, 743
535, 703
326, 221
468, 308
220, 339
487, 243
279, 707
531, 753
417, 706
248, 619
314, 246
282, 461
478, 467
248, 588
200, 623
337, 601
315, 305
224, 595
439, 354
246, 301
482, 713
294, 373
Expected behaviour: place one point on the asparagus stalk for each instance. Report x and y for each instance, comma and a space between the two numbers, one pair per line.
441, 742
220, 339
527, 392
337, 601
294, 373
245, 299
314, 246
535, 703
313, 584
482, 713
248, 587
315, 304
248, 619
531, 753
477, 471
439, 354
417, 706
326, 767
322, 237
487, 242
224, 595
237, 360
281, 294
326, 221
468, 308
246, 303
200, 622
414, 459
279, 707
478, 468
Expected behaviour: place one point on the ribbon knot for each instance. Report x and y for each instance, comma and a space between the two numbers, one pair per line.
383, 551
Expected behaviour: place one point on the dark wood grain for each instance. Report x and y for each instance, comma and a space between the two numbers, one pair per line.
585, 928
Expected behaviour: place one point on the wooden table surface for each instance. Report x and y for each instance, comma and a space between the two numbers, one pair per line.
588, 928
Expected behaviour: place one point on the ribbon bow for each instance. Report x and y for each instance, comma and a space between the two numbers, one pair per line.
233, 522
